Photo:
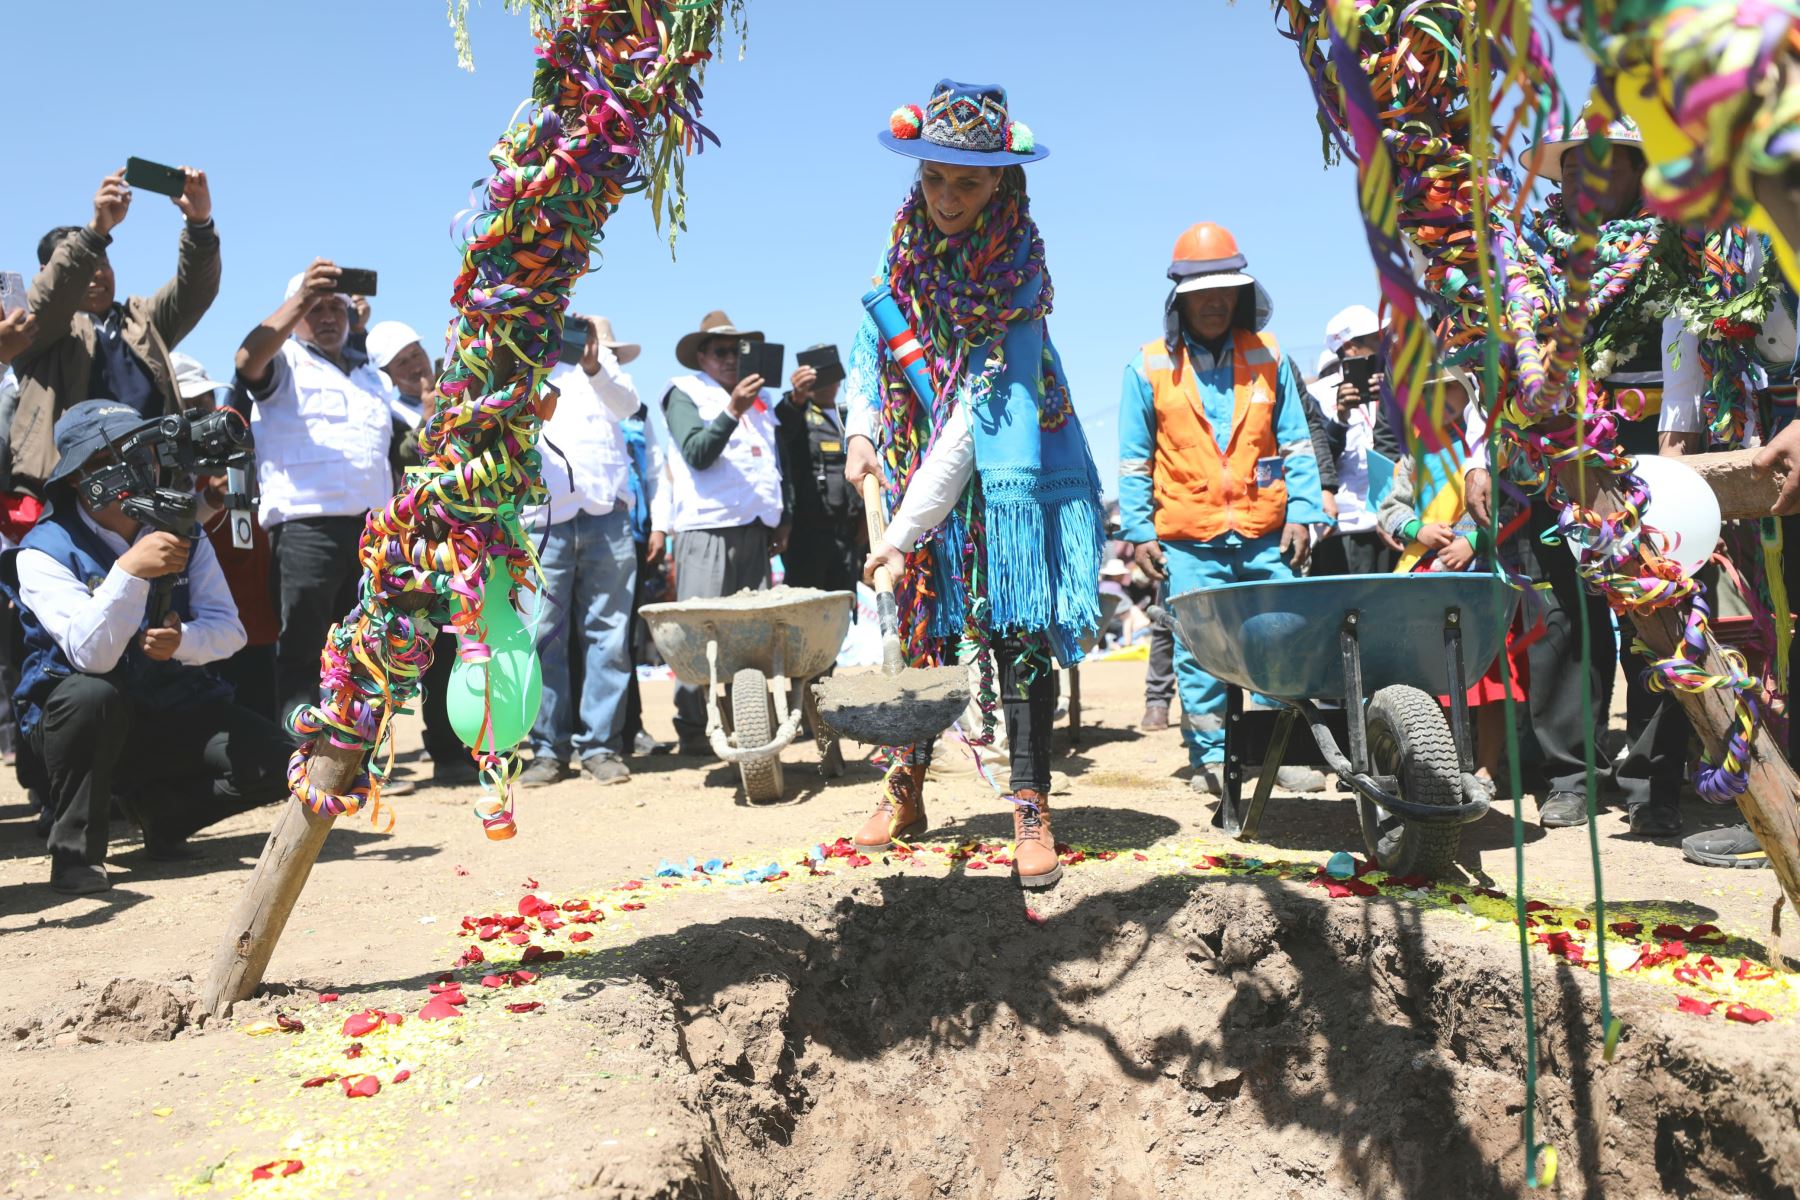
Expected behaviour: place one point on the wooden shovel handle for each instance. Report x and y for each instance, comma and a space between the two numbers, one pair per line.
874, 513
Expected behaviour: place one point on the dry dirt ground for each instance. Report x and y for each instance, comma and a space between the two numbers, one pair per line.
1163, 1023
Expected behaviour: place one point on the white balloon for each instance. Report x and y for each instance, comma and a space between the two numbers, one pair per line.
1682, 517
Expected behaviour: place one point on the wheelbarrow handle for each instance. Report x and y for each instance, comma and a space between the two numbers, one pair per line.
887, 612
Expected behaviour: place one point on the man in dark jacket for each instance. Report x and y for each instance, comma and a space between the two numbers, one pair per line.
89, 345
822, 546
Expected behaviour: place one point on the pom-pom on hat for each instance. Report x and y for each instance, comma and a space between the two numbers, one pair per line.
965, 125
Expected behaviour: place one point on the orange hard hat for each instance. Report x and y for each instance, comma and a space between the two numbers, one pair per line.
1207, 256
1206, 243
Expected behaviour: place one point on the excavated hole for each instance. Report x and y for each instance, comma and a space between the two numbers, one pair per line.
1187, 1037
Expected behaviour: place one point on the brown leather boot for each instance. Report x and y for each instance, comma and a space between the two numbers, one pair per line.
901, 811
1035, 864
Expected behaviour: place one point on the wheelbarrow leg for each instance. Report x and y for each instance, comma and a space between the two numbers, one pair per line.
1265, 783
1356, 717
1459, 690
831, 755
1230, 816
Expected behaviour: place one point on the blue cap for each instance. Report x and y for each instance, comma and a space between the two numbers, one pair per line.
87, 429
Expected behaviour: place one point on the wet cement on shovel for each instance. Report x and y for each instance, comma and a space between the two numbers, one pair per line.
894, 710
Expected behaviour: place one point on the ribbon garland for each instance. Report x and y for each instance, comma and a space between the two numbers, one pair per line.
617, 102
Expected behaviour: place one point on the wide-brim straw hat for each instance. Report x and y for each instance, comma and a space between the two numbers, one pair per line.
1545, 158
603, 334
713, 324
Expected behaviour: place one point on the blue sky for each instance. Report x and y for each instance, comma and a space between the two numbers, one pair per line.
347, 130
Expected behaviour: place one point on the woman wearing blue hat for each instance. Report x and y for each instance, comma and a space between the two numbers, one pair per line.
996, 534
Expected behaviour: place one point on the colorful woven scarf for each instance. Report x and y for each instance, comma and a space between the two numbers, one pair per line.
956, 291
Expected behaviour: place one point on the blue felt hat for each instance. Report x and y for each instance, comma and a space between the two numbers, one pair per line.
964, 124
85, 430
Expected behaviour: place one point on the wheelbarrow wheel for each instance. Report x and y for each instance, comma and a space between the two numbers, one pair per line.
753, 721
1410, 740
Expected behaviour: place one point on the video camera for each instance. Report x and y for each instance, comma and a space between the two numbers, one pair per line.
153, 479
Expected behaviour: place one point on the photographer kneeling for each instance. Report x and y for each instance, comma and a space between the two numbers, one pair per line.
102, 699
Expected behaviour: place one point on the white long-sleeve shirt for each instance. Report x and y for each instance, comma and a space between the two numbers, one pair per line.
586, 464
93, 630
936, 485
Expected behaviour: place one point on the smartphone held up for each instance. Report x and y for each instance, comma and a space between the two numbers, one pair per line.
149, 176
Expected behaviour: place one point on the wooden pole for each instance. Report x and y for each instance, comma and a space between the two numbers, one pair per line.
1742, 496
275, 885
1771, 805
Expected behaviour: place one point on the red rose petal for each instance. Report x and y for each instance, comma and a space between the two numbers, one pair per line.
281, 1167
1747, 972
1034, 916
439, 1008
493, 981
580, 935
531, 906
525, 1007
471, 956
1668, 932
1626, 928
360, 1085
632, 906
1746, 1014
530, 884
631, 885
462, 870
290, 1024
1700, 1008
522, 977
532, 954
1532, 906
402, 1076
1706, 933
328, 997
438, 989
353, 1050
573, 906
1140, 856
365, 1022
318, 1081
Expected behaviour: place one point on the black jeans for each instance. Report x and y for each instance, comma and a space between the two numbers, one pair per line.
1652, 769
176, 770
1028, 703
1361, 553
252, 672
442, 746
313, 585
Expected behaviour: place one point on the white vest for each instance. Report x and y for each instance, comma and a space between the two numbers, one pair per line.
321, 440
597, 474
743, 485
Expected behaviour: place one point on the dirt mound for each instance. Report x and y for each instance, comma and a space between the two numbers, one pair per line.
123, 1010
931, 1038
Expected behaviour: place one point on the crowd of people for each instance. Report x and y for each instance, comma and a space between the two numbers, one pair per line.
200, 643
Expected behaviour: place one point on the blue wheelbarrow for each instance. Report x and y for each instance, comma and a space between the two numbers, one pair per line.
1386, 646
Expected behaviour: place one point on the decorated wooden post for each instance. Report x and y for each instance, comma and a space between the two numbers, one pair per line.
1771, 803
616, 109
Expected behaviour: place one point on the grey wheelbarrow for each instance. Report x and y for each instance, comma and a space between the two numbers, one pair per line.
756, 654
1386, 646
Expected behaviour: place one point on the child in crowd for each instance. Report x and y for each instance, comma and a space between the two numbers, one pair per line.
1440, 535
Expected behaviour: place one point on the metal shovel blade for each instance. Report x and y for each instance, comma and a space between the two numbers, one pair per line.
893, 710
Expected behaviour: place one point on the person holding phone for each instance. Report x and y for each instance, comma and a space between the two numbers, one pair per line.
91, 345
589, 562
829, 533
996, 536
322, 424
1356, 426
1218, 482
729, 502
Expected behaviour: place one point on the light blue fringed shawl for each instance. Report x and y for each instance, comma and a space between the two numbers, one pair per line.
1042, 535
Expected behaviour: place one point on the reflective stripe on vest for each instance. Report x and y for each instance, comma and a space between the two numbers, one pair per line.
1201, 491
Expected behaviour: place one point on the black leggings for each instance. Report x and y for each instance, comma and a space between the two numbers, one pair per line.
1030, 711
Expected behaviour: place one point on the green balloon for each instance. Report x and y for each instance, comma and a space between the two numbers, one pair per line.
508, 688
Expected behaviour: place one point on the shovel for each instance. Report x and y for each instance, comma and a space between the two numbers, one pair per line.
902, 705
